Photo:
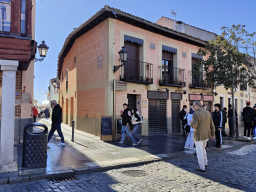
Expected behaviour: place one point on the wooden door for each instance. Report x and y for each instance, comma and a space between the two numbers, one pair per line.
131, 68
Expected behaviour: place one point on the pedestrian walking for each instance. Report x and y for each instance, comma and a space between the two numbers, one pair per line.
126, 123
56, 122
203, 126
248, 116
35, 113
191, 110
230, 121
182, 115
224, 114
217, 120
46, 113
135, 123
190, 139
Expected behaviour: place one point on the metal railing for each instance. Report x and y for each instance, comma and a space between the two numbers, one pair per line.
174, 77
198, 81
137, 72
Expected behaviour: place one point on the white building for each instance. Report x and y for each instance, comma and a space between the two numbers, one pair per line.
54, 87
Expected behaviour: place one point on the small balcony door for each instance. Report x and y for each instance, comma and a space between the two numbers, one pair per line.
167, 70
195, 77
131, 67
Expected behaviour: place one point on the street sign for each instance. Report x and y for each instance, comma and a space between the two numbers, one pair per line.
121, 85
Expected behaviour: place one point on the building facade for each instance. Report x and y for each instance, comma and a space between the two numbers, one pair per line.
157, 77
53, 89
17, 51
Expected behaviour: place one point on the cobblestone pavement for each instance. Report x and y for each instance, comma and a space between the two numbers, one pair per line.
232, 170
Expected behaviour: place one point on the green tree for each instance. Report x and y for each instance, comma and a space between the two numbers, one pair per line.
225, 64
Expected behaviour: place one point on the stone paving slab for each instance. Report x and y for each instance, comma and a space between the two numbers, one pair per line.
89, 154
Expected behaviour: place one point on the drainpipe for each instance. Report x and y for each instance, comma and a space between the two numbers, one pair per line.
114, 111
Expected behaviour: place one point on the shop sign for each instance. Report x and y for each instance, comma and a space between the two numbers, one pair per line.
157, 95
195, 97
208, 98
121, 86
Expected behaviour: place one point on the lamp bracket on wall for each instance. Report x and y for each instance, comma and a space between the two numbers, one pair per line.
167, 90
181, 91
115, 68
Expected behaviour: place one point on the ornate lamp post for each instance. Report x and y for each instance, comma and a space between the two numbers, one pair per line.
123, 56
43, 49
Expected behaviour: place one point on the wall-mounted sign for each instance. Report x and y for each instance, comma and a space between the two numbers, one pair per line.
152, 46
184, 54
176, 96
195, 97
208, 98
121, 86
241, 95
158, 95
100, 61
144, 104
246, 96
229, 93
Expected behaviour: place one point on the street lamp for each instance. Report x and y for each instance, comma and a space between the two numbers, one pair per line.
43, 49
123, 56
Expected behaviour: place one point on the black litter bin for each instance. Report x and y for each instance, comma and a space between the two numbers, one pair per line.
35, 147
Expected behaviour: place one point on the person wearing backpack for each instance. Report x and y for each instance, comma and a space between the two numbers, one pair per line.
135, 123
190, 139
248, 115
182, 114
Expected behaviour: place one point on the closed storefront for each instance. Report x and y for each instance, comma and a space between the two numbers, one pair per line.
157, 116
176, 97
157, 122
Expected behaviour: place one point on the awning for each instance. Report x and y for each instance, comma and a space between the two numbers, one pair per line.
133, 39
169, 49
195, 56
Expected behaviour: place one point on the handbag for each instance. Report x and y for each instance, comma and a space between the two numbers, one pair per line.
187, 128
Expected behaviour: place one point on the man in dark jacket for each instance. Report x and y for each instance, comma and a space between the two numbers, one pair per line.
56, 122
126, 122
224, 113
184, 121
230, 121
217, 120
248, 114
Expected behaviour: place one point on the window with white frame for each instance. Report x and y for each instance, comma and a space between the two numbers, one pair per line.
5, 15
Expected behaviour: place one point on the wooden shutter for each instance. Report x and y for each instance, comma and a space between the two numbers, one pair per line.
15, 16
133, 49
167, 55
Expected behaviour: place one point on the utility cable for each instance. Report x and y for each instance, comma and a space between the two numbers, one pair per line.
65, 7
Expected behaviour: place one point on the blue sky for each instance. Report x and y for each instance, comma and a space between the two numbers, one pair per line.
54, 23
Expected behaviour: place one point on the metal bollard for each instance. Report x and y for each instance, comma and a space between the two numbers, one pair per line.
73, 131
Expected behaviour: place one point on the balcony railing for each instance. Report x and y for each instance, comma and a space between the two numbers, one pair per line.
137, 72
198, 81
174, 77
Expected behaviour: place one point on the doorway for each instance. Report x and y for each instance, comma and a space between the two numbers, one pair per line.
208, 106
131, 101
222, 102
66, 111
157, 116
175, 116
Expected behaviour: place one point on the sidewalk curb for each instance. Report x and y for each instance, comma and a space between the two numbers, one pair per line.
109, 165
97, 168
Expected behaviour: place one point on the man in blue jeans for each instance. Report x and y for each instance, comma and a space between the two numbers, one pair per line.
56, 122
126, 122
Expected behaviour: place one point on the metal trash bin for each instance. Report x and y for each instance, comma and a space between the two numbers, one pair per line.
34, 147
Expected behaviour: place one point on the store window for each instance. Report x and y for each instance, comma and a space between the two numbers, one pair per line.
23, 17
5, 15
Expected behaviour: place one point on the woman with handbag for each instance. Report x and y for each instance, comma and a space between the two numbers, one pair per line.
190, 139
135, 123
